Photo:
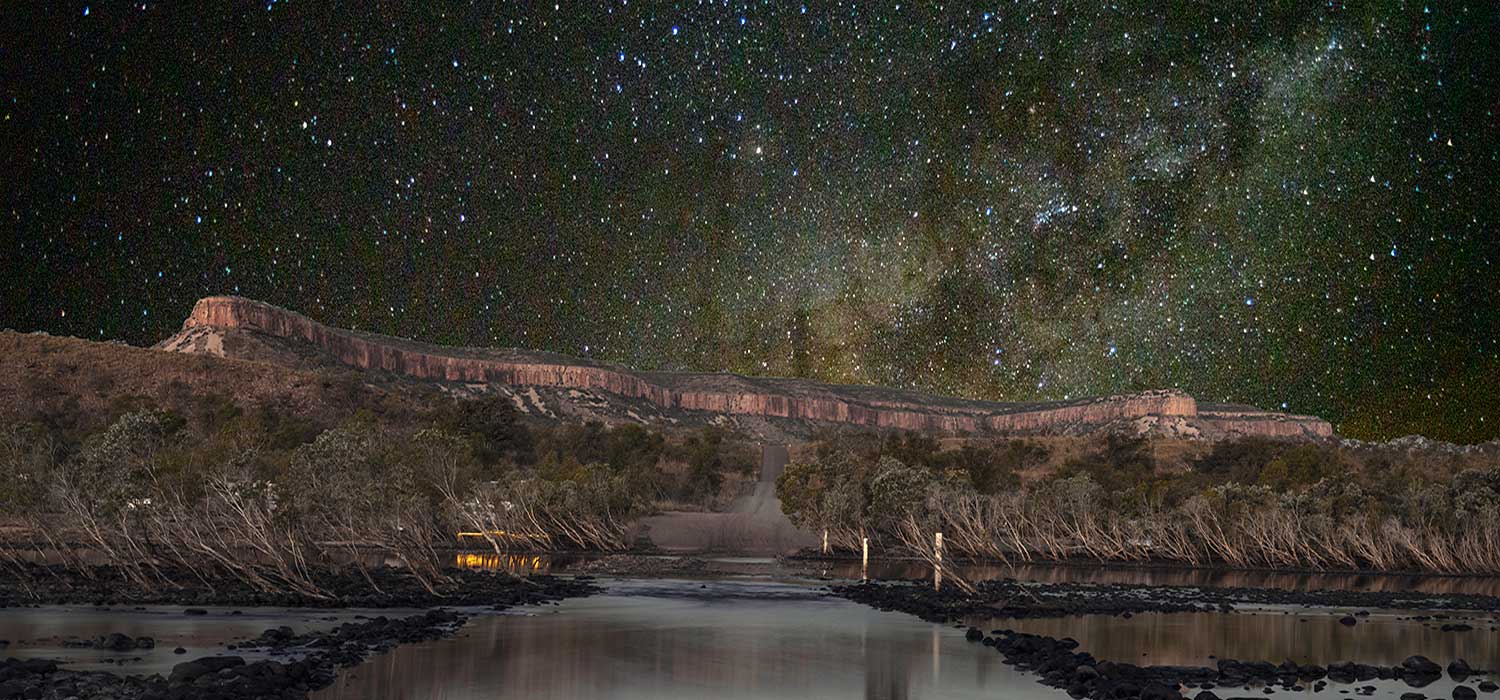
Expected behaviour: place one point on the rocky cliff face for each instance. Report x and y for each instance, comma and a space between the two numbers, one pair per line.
728, 395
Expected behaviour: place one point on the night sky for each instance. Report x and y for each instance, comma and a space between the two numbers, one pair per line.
1291, 204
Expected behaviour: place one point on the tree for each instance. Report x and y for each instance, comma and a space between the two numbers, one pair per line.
493, 427
1302, 466
897, 491
1239, 460
801, 488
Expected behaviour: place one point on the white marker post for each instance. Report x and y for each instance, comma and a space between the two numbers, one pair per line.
864, 562
937, 559
825, 541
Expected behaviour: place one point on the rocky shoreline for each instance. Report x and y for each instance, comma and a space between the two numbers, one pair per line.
343, 587
313, 659
1060, 665
1011, 599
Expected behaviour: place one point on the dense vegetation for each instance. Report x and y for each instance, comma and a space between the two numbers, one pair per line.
265, 496
1245, 503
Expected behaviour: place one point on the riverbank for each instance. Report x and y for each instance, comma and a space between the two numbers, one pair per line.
813, 558
1010, 599
342, 587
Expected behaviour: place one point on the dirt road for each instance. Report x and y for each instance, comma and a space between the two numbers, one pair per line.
754, 523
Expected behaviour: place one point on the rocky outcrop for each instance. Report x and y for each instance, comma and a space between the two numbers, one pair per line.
715, 393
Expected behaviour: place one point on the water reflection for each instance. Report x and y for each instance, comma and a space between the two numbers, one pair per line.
747, 639
694, 640
1301, 635
509, 563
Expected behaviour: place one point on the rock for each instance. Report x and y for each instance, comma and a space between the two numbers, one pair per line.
1489, 686
1421, 666
179, 650
1456, 627
189, 671
1311, 672
1464, 692
37, 666
114, 641
1205, 695
195, 611
1348, 621
973, 634
1459, 669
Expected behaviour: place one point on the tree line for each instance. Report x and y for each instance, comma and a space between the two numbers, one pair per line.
268, 498
1243, 503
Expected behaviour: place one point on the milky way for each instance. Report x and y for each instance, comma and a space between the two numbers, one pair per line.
1290, 204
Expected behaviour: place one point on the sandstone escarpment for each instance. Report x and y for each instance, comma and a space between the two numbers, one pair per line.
724, 394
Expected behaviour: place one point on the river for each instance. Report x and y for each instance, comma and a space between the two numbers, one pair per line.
756, 637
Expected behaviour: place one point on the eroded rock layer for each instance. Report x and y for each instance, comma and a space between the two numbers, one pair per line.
723, 393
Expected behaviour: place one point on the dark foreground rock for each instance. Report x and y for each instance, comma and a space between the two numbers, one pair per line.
311, 660
1060, 665
1011, 599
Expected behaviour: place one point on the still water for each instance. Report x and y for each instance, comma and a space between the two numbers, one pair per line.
755, 639
690, 639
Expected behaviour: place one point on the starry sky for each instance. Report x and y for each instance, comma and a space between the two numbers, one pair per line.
1286, 203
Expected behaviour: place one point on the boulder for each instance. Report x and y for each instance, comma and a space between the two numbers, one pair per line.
1421, 666
114, 641
189, 671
